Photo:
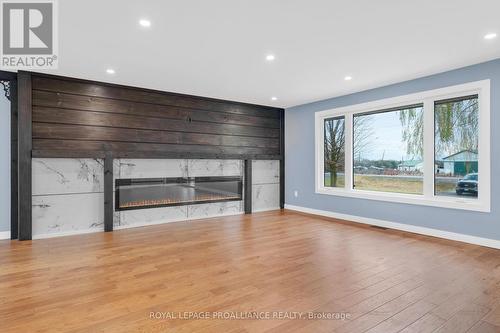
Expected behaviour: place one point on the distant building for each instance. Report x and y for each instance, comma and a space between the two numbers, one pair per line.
411, 165
461, 163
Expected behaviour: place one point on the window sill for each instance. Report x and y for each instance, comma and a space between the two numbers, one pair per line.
413, 199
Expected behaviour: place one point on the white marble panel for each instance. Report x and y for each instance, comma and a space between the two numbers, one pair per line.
67, 213
116, 171
152, 168
265, 197
141, 217
116, 219
67, 175
265, 172
68, 196
215, 209
202, 168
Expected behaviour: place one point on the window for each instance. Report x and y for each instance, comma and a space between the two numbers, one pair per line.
456, 125
388, 150
430, 148
334, 156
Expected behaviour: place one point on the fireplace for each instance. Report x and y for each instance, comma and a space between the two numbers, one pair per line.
139, 193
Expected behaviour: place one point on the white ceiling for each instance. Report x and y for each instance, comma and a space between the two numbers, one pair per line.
217, 48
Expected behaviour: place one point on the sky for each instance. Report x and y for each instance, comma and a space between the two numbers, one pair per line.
387, 139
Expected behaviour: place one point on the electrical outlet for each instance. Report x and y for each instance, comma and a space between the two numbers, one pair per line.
296, 193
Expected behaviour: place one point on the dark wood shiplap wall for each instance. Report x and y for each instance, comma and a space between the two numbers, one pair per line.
74, 117
67, 117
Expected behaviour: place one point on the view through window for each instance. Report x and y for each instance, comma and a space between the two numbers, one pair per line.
388, 150
334, 152
456, 125
426, 148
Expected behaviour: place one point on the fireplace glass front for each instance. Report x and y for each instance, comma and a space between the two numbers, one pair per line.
141, 193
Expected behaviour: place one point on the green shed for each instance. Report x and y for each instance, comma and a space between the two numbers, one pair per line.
461, 163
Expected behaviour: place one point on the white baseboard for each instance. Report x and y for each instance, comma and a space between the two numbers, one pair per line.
403, 227
4, 235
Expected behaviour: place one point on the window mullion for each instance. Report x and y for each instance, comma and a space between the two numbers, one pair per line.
320, 156
348, 151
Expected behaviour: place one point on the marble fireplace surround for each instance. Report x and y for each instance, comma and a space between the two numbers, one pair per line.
68, 193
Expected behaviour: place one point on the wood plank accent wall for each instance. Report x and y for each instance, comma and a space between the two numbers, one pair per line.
14, 231
74, 117
67, 117
248, 186
108, 192
24, 118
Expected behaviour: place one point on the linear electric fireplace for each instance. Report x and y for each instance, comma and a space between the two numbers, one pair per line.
141, 193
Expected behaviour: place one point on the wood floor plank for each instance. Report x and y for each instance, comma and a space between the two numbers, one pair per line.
278, 261
464, 319
484, 327
399, 321
494, 316
425, 324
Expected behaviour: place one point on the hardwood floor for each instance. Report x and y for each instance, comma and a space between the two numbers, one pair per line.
384, 280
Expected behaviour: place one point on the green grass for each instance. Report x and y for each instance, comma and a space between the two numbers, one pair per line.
445, 187
386, 184
340, 181
391, 184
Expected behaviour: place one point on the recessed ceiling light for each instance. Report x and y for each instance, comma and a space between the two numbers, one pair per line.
145, 23
270, 57
110, 71
274, 98
490, 35
348, 78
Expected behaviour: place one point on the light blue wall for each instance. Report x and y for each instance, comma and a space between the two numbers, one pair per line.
4, 163
299, 159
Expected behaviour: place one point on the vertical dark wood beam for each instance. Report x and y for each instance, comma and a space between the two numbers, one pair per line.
108, 192
282, 161
24, 104
14, 230
248, 186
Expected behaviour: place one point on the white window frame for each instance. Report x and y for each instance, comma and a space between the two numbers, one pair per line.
427, 98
